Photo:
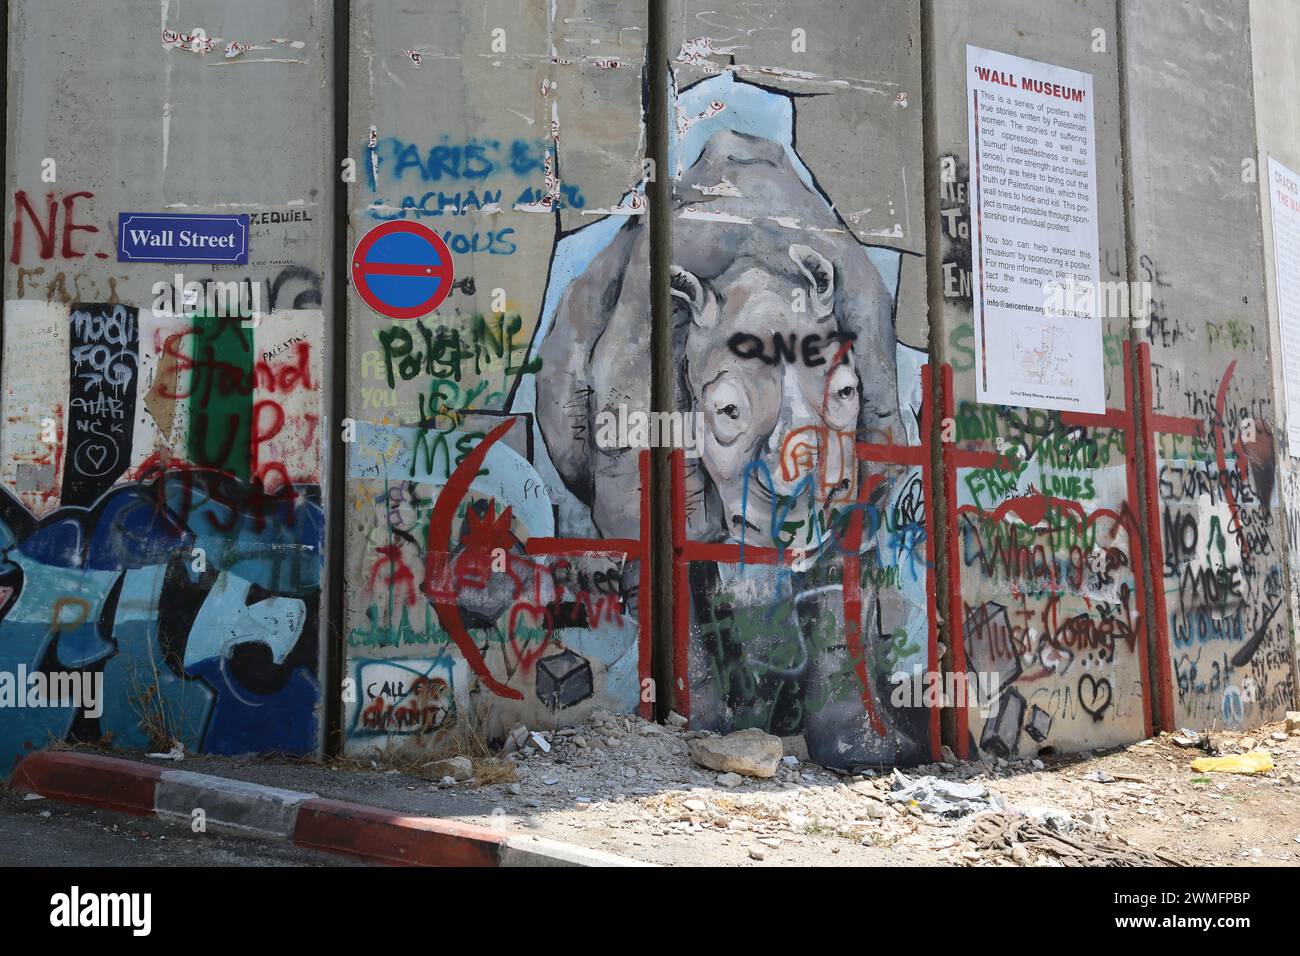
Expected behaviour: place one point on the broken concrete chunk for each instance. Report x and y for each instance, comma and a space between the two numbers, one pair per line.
458, 768
515, 738
874, 810
750, 752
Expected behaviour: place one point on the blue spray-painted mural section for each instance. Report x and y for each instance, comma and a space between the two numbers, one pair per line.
196, 612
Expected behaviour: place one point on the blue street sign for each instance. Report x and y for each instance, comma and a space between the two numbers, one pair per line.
162, 237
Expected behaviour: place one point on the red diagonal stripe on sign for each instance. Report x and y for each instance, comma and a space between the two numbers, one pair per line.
402, 269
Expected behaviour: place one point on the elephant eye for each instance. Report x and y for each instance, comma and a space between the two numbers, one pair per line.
842, 403
727, 410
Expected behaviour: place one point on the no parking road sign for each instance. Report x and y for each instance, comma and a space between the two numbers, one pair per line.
402, 270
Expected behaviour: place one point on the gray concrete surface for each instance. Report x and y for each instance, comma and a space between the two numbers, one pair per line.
1274, 27
49, 833
1197, 232
992, 579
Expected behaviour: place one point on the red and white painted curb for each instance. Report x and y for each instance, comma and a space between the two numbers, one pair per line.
249, 809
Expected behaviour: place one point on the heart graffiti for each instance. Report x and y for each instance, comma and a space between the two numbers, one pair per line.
1094, 695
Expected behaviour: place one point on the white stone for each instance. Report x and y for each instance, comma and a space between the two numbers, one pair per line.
750, 752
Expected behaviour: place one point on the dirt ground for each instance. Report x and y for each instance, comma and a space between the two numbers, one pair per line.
625, 786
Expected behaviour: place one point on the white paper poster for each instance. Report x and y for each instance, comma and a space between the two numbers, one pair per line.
1034, 256
1284, 188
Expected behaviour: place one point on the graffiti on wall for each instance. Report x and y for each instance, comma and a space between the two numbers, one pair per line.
785, 353
480, 584
1222, 583
162, 522
1049, 586
1045, 545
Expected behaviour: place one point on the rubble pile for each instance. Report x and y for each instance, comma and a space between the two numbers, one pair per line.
638, 783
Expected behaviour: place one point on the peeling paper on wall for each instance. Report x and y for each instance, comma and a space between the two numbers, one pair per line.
196, 41
371, 145
633, 204
884, 232
685, 122
694, 212
199, 42
723, 188
793, 222
35, 384
697, 51
547, 203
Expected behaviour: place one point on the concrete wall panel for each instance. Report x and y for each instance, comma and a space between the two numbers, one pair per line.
163, 489
1196, 215
1045, 550
799, 341
1274, 32
516, 133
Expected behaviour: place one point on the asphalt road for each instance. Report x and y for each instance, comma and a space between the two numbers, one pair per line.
48, 833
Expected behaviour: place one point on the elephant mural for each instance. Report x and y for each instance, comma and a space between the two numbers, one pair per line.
784, 350
784, 345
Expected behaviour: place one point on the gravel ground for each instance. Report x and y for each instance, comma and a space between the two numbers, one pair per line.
627, 786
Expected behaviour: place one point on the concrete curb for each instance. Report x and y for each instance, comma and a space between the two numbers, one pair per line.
249, 809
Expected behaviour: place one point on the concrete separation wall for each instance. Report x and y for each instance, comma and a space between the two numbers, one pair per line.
484, 589
803, 575
657, 359
162, 456
1045, 551
1274, 31
1195, 220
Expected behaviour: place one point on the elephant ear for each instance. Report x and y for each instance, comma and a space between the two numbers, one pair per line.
692, 300
820, 276
567, 380
866, 309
